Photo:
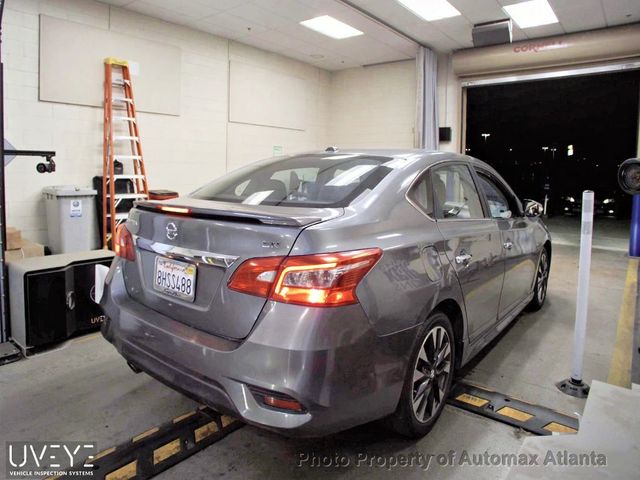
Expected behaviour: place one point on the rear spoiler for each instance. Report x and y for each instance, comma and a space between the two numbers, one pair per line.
230, 213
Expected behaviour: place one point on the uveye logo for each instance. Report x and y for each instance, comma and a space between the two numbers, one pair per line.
46, 459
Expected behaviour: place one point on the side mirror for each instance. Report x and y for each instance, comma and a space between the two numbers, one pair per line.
532, 208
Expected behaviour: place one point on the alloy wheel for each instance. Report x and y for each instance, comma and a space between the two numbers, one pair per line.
542, 277
431, 374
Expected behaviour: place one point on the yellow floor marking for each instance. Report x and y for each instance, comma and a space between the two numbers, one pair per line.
104, 452
166, 451
620, 368
472, 400
205, 431
226, 420
558, 427
151, 431
515, 413
86, 338
182, 417
123, 473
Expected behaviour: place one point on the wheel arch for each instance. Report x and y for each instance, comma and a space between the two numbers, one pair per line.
452, 309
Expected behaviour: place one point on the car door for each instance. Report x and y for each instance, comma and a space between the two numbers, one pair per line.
518, 241
472, 242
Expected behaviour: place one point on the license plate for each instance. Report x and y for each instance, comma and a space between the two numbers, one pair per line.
177, 279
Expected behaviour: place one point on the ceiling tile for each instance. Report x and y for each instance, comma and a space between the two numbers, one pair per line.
258, 15
274, 24
479, 11
579, 15
618, 12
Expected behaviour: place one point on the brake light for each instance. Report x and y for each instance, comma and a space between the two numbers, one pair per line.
123, 243
322, 280
176, 210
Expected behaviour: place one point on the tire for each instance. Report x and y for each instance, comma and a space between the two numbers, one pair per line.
417, 413
542, 279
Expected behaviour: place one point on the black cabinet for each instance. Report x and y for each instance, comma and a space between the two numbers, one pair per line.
52, 297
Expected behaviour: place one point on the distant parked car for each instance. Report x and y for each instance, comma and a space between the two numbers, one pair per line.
316, 292
606, 204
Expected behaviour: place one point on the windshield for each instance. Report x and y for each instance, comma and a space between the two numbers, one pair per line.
329, 180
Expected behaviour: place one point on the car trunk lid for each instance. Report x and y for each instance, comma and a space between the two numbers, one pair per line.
215, 238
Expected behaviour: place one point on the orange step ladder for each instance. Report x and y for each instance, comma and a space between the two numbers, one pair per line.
119, 130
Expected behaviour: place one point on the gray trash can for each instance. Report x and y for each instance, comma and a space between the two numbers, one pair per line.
71, 218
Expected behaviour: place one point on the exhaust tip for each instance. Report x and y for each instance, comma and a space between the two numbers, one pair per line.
134, 368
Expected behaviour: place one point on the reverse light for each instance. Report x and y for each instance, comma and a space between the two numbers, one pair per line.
256, 276
322, 280
123, 243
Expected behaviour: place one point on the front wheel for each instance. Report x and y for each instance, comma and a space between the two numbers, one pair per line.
542, 278
428, 379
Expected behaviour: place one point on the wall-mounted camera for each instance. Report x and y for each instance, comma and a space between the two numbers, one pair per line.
629, 176
46, 167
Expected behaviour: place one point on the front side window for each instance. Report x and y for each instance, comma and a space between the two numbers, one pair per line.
455, 193
330, 180
496, 200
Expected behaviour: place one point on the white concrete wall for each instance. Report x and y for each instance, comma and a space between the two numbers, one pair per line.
361, 107
449, 103
181, 152
373, 106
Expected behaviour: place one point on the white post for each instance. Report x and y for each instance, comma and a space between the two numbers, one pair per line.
584, 268
546, 200
573, 385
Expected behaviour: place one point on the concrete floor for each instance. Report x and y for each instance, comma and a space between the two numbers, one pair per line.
85, 391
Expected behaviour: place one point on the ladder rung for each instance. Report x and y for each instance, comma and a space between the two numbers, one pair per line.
120, 216
127, 157
121, 99
124, 196
124, 119
118, 177
120, 83
125, 137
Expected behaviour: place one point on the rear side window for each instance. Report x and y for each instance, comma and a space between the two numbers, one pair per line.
330, 180
421, 194
455, 193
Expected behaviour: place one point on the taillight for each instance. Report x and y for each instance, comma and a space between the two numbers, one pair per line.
256, 276
322, 280
123, 243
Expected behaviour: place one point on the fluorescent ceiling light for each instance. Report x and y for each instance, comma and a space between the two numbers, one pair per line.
331, 27
532, 13
431, 10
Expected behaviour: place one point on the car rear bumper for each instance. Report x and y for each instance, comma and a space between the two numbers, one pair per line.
329, 360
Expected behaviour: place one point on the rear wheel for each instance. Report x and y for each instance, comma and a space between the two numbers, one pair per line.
428, 379
542, 278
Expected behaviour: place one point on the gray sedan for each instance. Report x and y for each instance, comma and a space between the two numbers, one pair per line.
312, 293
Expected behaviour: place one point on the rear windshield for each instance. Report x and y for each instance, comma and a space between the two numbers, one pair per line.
330, 180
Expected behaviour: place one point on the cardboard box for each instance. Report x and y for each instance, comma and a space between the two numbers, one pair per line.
14, 238
28, 249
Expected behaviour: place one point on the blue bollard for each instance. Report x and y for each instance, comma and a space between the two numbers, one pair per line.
634, 241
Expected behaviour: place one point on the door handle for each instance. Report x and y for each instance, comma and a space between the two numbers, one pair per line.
463, 258
508, 245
